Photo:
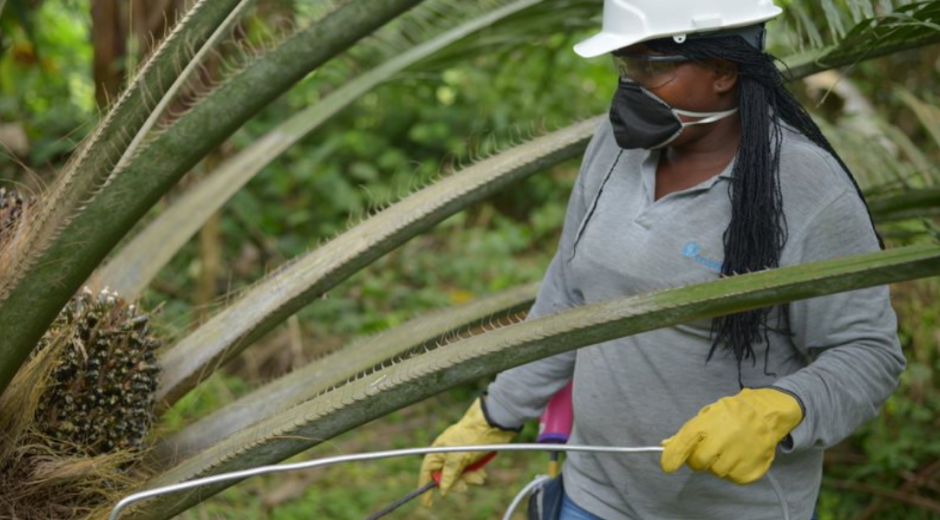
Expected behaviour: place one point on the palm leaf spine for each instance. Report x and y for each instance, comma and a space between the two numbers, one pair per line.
336, 368
177, 85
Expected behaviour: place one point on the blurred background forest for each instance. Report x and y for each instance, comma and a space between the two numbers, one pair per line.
61, 61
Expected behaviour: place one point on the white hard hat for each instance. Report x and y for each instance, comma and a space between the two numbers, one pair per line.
627, 22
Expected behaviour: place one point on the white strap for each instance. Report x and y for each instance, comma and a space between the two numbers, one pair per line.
708, 117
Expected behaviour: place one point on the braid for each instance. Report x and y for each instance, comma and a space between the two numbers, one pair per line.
757, 232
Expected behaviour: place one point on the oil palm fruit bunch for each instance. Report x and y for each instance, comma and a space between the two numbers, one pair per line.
11, 208
100, 396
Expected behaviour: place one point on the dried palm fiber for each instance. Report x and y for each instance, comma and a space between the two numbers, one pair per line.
100, 396
49, 486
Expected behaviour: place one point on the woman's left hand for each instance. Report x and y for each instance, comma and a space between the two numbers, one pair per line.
736, 437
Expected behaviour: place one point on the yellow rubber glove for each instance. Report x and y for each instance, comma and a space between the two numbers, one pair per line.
736, 437
472, 429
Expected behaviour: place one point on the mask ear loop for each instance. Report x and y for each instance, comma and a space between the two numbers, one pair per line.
708, 117
705, 117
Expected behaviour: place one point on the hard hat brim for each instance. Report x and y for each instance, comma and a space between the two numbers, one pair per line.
602, 43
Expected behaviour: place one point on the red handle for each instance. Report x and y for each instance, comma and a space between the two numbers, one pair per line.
473, 467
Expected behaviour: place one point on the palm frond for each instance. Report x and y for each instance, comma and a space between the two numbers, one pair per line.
348, 363
908, 27
810, 24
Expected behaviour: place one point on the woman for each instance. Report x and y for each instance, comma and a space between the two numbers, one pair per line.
708, 167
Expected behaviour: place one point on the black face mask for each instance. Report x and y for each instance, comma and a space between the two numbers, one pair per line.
643, 120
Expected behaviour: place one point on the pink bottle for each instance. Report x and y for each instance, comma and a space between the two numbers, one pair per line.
557, 419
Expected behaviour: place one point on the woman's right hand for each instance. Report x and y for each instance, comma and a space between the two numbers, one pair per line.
472, 429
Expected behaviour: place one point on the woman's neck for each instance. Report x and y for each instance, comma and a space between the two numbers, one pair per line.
718, 145
684, 166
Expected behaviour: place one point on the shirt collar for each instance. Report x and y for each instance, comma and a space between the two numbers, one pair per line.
651, 160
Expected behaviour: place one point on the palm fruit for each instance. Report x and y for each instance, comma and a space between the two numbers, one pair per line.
11, 207
100, 396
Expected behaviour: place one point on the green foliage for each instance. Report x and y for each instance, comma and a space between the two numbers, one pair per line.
211, 395
45, 78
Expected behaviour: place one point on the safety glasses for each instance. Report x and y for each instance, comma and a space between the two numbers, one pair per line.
648, 70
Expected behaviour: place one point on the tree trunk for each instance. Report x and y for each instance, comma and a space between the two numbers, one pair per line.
108, 40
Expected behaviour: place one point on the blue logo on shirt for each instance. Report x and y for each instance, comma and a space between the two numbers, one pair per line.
694, 251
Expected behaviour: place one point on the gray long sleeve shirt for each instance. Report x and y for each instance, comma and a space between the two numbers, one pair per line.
842, 359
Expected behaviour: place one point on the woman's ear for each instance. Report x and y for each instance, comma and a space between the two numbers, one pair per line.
725, 76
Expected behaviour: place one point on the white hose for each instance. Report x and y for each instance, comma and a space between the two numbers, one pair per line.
356, 457
378, 455
539, 480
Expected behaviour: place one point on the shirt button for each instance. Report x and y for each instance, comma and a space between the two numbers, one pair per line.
643, 222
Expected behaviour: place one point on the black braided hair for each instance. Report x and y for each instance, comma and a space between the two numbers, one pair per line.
757, 232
